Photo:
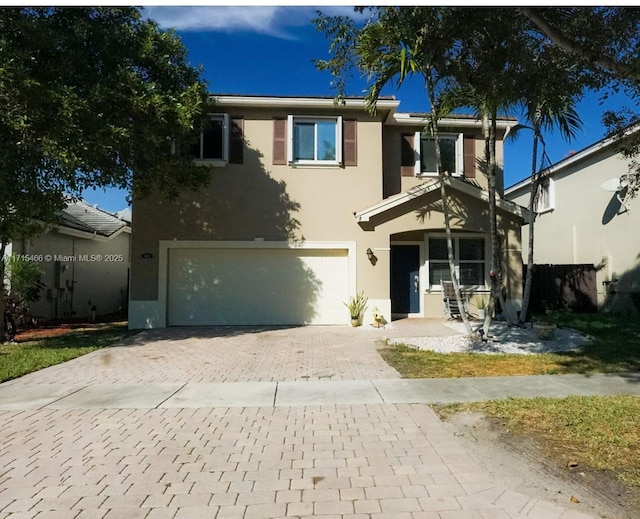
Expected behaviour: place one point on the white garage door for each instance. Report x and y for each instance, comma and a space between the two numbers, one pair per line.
257, 286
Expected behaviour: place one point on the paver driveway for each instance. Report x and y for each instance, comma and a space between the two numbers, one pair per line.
230, 355
377, 461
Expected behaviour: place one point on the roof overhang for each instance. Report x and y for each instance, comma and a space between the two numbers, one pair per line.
407, 119
300, 102
92, 236
87, 235
434, 185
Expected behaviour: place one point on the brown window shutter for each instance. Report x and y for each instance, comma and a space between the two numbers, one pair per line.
350, 144
407, 155
279, 141
469, 142
236, 140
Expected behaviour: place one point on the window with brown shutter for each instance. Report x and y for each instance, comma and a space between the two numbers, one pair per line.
469, 156
236, 141
314, 141
350, 145
279, 141
407, 155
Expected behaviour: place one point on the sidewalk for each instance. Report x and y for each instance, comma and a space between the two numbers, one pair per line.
314, 392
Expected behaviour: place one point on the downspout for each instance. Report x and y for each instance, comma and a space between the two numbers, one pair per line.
73, 276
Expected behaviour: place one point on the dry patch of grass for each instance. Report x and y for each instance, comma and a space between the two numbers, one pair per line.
412, 363
601, 432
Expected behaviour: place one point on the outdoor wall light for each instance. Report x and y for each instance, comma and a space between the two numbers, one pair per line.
371, 256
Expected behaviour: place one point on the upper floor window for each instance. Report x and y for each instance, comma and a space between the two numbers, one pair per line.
314, 140
214, 139
451, 154
545, 197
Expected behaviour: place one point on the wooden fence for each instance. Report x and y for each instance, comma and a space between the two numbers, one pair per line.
563, 287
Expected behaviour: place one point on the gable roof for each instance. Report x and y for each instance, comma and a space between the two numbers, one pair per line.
83, 217
431, 186
584, 153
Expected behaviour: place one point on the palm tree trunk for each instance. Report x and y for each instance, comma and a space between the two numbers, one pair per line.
491, 181
499, 251
445, 206
526, 296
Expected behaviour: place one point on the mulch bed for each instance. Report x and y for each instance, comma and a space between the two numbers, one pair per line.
55, 329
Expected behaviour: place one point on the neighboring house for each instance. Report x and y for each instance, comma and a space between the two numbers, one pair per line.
310, 203
585, 217
85, 261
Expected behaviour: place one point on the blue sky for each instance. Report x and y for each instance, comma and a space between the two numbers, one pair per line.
268, 50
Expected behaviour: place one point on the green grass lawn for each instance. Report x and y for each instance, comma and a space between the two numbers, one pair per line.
615, 348
43, 350
602, 432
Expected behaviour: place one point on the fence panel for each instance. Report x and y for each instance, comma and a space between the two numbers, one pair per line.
563, 287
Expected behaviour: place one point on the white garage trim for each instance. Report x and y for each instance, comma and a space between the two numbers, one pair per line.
166, 245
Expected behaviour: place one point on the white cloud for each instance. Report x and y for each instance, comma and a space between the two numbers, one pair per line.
272, 20
260, 19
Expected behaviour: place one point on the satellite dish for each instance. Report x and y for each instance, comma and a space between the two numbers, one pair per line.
613, 184
616, 185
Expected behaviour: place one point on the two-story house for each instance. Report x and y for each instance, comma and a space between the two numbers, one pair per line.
309, 203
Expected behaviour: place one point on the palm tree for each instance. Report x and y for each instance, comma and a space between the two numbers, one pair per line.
484, 67
396, 44
499, 65
543, 114
402, 43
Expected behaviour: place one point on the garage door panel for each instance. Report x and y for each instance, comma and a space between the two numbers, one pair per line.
256, 286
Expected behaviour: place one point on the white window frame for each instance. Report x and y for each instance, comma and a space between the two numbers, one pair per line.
456, 238
547, 186
225, 143
459, 138
291, 119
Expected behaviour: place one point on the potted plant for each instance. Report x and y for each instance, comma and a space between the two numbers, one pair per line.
357, 305
481, 305
377, 318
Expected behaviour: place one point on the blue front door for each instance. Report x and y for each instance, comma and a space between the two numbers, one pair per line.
405, 279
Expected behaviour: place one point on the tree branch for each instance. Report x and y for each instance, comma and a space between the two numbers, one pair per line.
620, 70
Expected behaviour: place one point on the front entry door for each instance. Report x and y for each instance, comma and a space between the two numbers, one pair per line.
405, 279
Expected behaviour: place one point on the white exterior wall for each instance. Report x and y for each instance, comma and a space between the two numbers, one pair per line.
102, 281
589, 225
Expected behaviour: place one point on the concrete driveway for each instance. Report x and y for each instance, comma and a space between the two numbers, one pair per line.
240, 423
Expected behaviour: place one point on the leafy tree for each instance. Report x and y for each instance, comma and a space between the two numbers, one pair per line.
395, 44
486, 67
485, 59
502, 64
603, 41
91, 97
624, 126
